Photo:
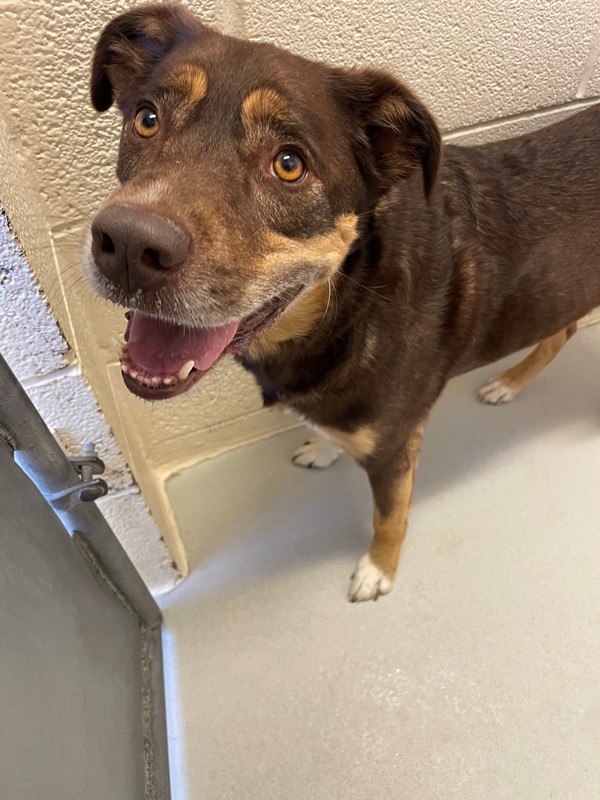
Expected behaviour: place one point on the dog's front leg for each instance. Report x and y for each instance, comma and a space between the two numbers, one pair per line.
392, 484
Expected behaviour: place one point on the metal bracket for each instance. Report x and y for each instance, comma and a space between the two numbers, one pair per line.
6, 437
87, 464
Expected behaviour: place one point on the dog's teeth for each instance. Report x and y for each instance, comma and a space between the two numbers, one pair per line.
185, 370
155, 380
168, 381
125, 369
118, 346
133, 374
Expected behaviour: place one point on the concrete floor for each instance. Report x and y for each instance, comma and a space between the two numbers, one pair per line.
477, 678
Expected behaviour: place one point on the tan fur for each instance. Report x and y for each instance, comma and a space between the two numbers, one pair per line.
189, 80
261, 106
360, 444
390, 529
300, 319
328, 252
520, 376
369, 348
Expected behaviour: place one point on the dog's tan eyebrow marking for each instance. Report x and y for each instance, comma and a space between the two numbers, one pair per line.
190, 80
263, 105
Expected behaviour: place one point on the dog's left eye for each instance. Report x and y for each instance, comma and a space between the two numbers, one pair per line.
289, 166
145, 123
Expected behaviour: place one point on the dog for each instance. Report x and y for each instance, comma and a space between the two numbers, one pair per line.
306, 219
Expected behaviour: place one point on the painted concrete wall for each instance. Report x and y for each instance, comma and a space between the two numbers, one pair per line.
487, 68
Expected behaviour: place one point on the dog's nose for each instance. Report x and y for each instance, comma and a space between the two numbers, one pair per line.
136, 248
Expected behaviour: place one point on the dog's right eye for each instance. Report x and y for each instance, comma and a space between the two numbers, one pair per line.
145, 123
288, 166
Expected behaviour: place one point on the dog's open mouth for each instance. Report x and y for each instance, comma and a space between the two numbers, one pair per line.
161, 359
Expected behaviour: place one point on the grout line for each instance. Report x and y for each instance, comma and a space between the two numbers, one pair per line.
590, 64
533, 114
68, 226
231, 17
128, 490
240, 18
72, 371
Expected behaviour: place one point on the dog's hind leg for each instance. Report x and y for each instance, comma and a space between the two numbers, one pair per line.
505, 387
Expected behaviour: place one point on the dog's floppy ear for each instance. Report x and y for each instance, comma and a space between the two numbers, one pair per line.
396, 133
132, 44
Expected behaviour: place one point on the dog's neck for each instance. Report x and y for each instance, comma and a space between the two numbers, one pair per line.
311, 347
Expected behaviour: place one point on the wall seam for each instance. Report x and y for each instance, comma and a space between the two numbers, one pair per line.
524, 115
590, 64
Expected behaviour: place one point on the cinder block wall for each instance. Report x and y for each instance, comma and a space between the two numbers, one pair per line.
487, 68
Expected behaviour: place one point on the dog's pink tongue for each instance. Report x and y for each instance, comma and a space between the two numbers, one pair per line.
160, 348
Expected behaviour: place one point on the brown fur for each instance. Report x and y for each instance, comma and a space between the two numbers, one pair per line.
518, 378
360, 443
300, 320
329, 249
438, 262
390, 526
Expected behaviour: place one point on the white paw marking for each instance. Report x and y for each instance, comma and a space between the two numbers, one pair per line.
496, 391
318, 453
368, 582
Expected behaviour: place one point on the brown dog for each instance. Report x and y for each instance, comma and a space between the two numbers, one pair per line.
303, 217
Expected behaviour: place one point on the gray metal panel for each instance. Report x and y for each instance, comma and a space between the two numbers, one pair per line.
81, 680
70, 688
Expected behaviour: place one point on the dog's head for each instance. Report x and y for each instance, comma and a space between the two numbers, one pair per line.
244, 171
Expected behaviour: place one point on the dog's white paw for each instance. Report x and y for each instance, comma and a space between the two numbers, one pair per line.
317, 453
368, 582
496, 391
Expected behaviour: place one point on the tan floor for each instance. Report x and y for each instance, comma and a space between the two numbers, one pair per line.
478, 678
